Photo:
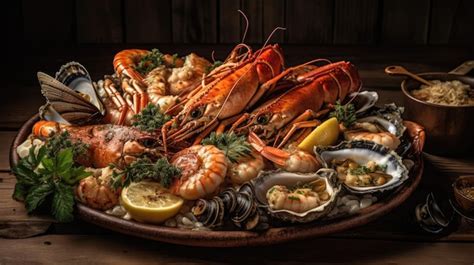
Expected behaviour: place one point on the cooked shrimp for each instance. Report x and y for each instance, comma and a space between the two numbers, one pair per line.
290, 159
245, 170
297, 200
203, 170
384, 138
95, 191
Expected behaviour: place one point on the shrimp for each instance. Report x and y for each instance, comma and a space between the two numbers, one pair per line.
203, 170
95, 191
384, 138
245, 170
290, 159
297, 200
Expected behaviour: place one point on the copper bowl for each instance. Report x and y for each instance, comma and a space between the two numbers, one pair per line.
466, 203
449, 129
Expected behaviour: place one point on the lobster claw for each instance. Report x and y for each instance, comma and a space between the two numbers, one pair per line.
269, 63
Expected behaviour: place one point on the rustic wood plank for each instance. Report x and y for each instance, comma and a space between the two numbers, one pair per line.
99, 21
405, 22
48, 23
11, 210
6, 139
451, 22
273, 16
309, 21
194, 21
118, 249
229, 21
355, 21
253, 9
148, 21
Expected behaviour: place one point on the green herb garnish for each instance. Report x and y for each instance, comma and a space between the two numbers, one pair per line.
62, 141
46, 181
150, 118
144, 168
293, 198
235, 147
345, 114
362, 170
214, 66
149, 62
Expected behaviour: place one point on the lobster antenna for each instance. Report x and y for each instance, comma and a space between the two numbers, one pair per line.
246, 24
269, 37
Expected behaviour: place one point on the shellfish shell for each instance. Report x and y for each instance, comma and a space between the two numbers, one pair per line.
362, 152
268, 179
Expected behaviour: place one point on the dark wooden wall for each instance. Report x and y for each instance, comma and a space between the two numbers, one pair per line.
324, 22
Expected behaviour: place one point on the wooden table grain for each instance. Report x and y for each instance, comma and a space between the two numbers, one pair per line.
392, 239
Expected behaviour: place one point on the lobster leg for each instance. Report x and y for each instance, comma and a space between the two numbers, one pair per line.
297, 126
239, 121
223, 124
117, 99
204, 133
305, 116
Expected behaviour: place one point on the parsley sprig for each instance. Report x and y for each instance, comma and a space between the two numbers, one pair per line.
45, 180
362, 170
344, 113
149, 61
235, 147
150, 118
144, 168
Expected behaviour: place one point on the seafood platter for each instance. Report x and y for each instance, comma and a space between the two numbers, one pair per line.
246, 151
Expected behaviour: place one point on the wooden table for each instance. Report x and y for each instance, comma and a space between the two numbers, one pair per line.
394, 238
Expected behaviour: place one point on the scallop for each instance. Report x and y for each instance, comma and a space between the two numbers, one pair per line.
268, 179
362, 152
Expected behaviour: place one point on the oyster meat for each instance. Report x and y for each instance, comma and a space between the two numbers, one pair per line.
317, 194
365, 153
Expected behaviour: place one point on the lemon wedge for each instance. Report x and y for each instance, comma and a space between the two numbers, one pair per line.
149, 202
323, 135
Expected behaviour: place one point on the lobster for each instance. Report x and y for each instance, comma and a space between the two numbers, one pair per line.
277, 120
234, 87
107, 144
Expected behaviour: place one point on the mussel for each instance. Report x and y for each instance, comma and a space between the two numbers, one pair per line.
71, 96
236, 206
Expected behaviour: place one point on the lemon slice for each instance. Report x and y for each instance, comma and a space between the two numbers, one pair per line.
323, 135
149, 202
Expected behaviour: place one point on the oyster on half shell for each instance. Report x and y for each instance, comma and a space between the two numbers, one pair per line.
269, 179
363, 152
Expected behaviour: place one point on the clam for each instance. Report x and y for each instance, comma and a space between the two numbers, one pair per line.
71, 96
268, 180
363, 152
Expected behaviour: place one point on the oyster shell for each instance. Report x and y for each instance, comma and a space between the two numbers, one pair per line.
269, 179
362, 152
363, 101
393, 114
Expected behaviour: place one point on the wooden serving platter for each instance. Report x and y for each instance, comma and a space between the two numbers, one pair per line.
238, 238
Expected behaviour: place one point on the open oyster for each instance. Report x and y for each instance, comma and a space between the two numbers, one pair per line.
290, 196
363, 101
373, 160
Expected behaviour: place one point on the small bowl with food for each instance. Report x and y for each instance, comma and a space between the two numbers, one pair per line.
444, 105
464, 193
